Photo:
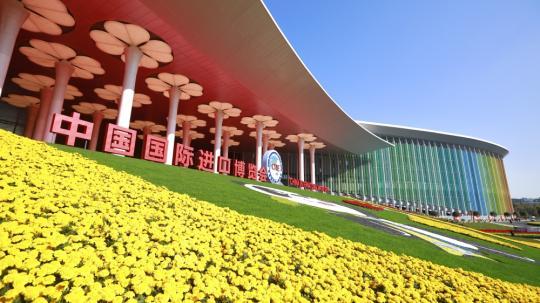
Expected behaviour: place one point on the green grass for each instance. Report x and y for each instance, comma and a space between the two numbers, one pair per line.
486, 225
228, 191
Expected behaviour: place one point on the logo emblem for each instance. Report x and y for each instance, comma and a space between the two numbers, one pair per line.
274, 167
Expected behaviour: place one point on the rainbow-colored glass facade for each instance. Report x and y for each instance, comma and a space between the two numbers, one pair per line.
426, 174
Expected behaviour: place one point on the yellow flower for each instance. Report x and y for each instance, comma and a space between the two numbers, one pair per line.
73, 230
76, 295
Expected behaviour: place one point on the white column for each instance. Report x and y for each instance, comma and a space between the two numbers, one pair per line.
41, 121
217, 139
64, 70
226, 140
31, 114
312, 163
133, 57
301, 159
265, 139
147, 130
258, 154
97, 119
186, 126
174, 98
12, 16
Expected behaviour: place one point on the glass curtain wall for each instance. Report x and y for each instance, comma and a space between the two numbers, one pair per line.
418, 174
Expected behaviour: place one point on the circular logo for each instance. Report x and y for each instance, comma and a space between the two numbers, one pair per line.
274, 167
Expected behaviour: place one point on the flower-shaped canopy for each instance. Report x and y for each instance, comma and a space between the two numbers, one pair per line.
165, 81
20, 100
192, 133
90, 108
33, 82
251, 122
269, 133
306, 137
149, 125
36, 82
114, 92
231, 142
112, 37
193, 121
211, 108
315, 145
48, 53
276, 143
47, 16
232, 130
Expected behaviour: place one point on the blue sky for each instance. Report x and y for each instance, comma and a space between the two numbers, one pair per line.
467, 67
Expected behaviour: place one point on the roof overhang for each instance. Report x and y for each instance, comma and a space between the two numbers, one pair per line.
234, 49
426, 134
244, 40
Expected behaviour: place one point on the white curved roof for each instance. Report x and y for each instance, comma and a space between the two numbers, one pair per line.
242, 38
381, 129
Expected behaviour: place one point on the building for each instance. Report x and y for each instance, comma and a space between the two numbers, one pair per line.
424, 170
158, 66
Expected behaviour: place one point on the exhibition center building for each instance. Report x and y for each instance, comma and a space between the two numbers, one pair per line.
215, 85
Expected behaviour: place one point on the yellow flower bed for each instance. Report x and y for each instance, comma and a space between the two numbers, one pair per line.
471, 232
459, 229
73, 230
528, 243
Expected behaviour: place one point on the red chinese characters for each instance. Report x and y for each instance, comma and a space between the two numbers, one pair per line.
206, 161
252, 171
154, 148
120, 140
72, 130
303, 184
224, 165
262, 175
184, 155
239, 168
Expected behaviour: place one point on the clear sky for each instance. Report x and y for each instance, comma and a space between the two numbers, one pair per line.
470, 67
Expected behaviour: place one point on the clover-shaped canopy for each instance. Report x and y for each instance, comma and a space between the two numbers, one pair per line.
231, 130
306, 137
47, 16
192, 120
148, 125
37, 82
48, 53
231, 142
276, 143
165, 81
192, 133
214, 106
269, 133
266, 121
113, 37
114, 92
314, 145
20, 100
90, 108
